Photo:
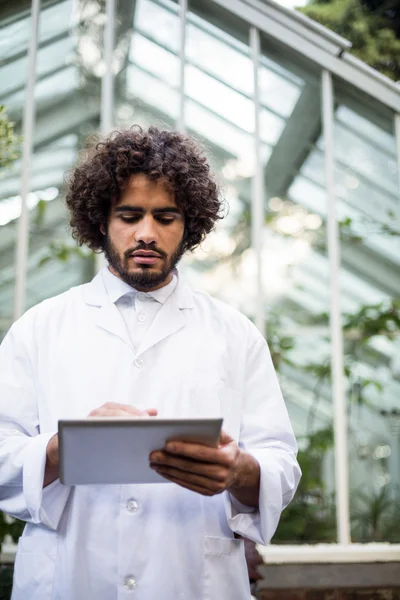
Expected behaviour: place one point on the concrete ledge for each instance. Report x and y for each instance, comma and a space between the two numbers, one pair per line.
350, 594
333, 577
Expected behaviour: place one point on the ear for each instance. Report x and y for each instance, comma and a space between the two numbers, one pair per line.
103, 229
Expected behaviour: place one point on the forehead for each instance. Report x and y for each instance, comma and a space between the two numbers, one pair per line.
141, 189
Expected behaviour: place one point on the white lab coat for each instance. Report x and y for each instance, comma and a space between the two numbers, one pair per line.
72, 353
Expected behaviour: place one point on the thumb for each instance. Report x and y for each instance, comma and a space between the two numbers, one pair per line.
225, 438
152, 412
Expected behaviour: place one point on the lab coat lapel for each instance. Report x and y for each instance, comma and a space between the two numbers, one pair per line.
107, 315
171, 317
110, 319
168, 320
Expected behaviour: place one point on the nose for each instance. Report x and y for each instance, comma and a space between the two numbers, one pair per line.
146, 230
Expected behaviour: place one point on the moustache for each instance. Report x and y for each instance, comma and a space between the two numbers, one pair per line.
149, 248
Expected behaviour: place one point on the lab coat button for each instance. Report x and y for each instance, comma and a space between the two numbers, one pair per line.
129, 582
139, 363
132, 506
141, 317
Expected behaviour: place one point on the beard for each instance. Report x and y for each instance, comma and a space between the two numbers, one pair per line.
144, 278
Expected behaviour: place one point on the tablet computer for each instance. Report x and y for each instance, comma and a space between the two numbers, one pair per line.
115, 450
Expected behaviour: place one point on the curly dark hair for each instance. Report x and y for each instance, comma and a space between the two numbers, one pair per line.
105, 171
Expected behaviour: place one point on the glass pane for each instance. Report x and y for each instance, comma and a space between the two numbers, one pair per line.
67, 96
219, 110
368, 206
147, 83
10, 200
296, 283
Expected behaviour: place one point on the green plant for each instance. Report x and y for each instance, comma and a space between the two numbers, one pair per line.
6, 581
310, 517
376, 516
10, 150
10, 142
370, 30
279, 343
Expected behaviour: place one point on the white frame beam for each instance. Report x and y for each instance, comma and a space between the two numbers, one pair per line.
183, 8
107, 82
397, 137
22, 241
107, 90
257, 205
338, 386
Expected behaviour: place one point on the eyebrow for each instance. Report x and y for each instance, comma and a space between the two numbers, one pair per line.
155, 211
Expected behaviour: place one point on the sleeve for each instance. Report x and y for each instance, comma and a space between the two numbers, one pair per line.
22, 445
267, 434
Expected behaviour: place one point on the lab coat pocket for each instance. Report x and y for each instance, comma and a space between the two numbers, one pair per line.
225, 569
231, 408
35, 567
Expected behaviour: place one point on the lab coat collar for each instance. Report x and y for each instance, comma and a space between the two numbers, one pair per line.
168, 320
95, 293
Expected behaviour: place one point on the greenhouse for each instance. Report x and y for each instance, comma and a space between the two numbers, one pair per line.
306, 141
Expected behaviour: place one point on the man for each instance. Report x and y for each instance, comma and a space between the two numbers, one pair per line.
138, 341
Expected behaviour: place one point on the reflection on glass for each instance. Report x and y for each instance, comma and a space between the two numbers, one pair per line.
67, 95
296, 283
367, 196
67, 103
147, 83
10, 201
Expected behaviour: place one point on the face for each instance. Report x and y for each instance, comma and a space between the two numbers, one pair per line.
144, 236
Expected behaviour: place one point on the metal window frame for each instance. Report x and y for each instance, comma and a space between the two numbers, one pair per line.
107, 91
257, 204
397, 138
107, 82
22, 242
338, 387
183, 10
290, 34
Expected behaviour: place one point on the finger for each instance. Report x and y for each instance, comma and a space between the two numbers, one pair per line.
127, 407
114, 409
219, 456
216, 487
192, 488
188, 465
106, 412
225, 438
152, 412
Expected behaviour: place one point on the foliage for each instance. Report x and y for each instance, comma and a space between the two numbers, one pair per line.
374, 319
6, 580
10, 526
376, 517
10, 142
279, 343
370, 30
64, 252
311, 515
10, 150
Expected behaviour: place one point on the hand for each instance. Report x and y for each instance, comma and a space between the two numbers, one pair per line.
109, 409
113, 409
210, 471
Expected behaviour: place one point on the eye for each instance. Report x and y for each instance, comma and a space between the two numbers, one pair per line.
166, 220
130, 219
